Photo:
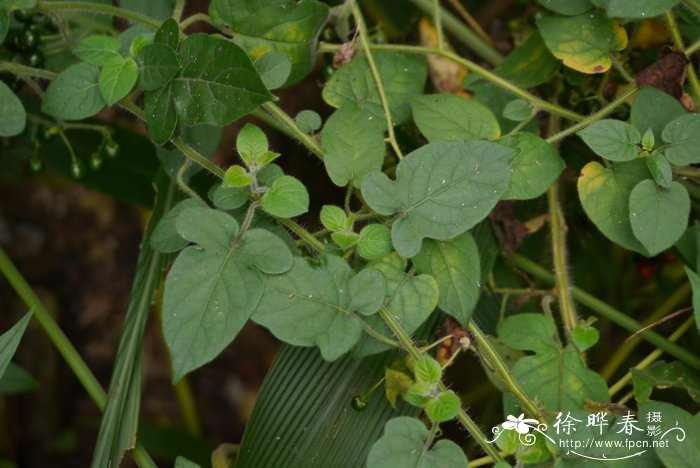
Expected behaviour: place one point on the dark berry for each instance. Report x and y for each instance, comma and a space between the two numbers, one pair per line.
24, 16
34, 59
27, 40
359, 403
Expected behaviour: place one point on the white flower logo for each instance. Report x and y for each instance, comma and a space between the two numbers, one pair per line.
520, 424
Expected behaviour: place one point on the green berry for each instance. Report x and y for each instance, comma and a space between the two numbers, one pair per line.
36, 164
359, 403
95, 160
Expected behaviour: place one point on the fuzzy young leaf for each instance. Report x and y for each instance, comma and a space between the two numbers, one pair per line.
353, 144
161, 115
308, 306
683, 136
403, 445
117, 77
605, 194
274, 68
443, 407
13, 117
375, 242
535, 168
212, 290
427, 370
251, 143
452, 117
441, 190
345, 239
403, 77
158, 64
612, 139
98, 49
658, 217
584, 337
215, 74
583, 42
286, 198
455, 266
237, 176
74, 93
640, 9
334, 218
10, 340
308, 121
286, 26
168, 34
660, 169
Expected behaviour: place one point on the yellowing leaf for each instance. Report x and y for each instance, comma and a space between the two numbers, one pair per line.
583, 42
446, 75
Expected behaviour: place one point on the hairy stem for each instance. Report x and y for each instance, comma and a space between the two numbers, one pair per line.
293, 129
99, 8
377, 78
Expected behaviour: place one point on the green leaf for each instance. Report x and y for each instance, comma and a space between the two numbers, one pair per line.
517, 110
212, 290
334, 218
683, 448
168, 34
227, 198
251, 144
308, 306
345, 239
695, 284
353, 144
559, 379
410, 299
403, 77
139, 42
395, 384
441, 190
605, 193
584, 337
444, 407
98, 49
119, 423
182, 462
160, 113
658, 217
10, 340
274, 68
567, 7
654, 109
375, 242
158, 64
308, 121
117, 78
237, 176
215, 74
583, 42
287, 26
285, 430
535, 168
156, 9
427, 370
455, 266
165, 237
452, 117
286, 198
648, 140
613, 140
665, 375
403, 445
528, 332
640, 9
660, 169
367, 290
13, 117
682, 134
17, 379
74, 94
529, 65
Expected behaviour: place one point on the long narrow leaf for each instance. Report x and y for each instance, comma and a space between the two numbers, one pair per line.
120, 420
